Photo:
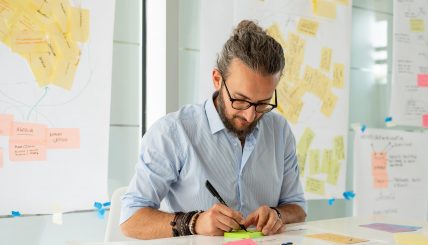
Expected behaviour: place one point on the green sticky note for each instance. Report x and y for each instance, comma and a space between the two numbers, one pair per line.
243, 234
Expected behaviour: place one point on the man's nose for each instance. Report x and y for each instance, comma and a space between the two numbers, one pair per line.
250, 114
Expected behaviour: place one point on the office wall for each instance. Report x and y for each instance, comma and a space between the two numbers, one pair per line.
125, 132
369, 78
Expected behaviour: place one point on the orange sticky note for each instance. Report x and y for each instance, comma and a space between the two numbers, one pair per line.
63, 138
28, 132
5, 124
379, 170
425, 121
26, 151
422, 80
1, 158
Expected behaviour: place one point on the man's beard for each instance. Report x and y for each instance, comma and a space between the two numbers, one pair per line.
240, 133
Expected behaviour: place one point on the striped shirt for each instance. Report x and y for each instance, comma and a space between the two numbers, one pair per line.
185, 148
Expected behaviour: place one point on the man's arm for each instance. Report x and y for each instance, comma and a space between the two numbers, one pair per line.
148, 223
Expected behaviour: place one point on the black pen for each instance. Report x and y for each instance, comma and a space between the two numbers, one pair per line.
216, 195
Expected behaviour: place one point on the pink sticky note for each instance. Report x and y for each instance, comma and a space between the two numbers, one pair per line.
422, 80
425, 121
1, 157
63, 138
379, 170
5, 124
26, 151
28, 131
241, 242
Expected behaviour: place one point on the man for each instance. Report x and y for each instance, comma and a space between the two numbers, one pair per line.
233, 140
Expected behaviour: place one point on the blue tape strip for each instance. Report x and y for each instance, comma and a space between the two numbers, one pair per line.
101, 213
388, 119
349, 195
107, 204
363, 128
15, 213
98, 205
331, 201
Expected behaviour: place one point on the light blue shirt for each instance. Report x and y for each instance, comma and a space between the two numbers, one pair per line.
185, 148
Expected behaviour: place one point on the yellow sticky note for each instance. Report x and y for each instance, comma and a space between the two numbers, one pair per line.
27, 41
338, 75
315, 186
314, 161
305, 140
333, 174
343, 2
42, 66
327, 158
294, 57
337, 238
309, 75
61, 12
411, 239
417, 25
325, 8
321, 85
329, 104
325, 59
79, 24
308, 27
339, 147
301, 160
64, 72
291, 111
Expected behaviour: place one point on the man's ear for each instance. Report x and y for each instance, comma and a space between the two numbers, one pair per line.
217, 80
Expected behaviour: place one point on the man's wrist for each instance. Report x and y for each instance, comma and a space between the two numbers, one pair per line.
278, 213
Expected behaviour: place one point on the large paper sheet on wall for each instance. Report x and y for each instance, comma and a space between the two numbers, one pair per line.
391, 173
55, 81
314, 90
409, 92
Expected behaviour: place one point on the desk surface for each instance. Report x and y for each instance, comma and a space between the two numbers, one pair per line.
295, 233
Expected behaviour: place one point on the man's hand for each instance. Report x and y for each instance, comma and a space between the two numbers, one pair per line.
218, 219
266, 220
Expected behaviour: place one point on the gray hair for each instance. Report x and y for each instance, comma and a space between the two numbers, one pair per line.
254, 47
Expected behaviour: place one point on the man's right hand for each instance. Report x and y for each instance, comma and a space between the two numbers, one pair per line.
218, 219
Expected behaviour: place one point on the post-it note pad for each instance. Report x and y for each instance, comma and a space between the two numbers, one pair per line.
243, 234
337, 238
241, 242
411, 239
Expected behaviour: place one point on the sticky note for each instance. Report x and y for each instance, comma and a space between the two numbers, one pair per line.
63, 138
41, 65
315, 186
392, 228
339, 147
411, 239
241, 242
325, 59
301, 160
61, 13
422, 80
327, 159
337, 238
5, 124
305, 140
338, 75
417, 25
26, 151
343, 2
64, 74
79, 24
308, 27
325, 8
379, 170
28, 132
333, 173
314, 161
425, 121
243, 234
275, 32
27, 41
329, 104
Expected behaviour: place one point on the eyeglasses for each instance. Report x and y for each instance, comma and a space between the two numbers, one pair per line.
239, 104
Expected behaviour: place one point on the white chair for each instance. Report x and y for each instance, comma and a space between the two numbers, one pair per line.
113, 232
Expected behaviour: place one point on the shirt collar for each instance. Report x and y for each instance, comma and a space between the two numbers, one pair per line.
214, 120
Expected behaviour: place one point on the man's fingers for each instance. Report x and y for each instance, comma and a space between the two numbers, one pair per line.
272, 220
229, 212
251, 219
277, 228
228, 222
263, 218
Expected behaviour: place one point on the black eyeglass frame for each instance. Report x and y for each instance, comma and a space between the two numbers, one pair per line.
232, 100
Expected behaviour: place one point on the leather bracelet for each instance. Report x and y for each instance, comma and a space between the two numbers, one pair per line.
192, 223
278, 213
173, 223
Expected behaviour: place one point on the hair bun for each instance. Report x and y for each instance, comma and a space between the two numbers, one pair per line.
247, 26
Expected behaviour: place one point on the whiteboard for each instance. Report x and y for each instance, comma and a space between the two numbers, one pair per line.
409, 91
55, 152
391, 173
323, 126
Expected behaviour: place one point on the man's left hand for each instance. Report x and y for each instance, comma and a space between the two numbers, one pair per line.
266, 220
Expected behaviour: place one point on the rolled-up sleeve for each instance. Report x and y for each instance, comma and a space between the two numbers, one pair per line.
158, 167
292, 190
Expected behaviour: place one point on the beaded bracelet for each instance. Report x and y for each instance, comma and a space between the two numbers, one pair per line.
192, 224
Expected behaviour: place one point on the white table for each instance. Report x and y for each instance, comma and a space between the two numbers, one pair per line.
295, 233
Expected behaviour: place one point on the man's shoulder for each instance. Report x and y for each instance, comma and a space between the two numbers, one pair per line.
186, 116
274, 119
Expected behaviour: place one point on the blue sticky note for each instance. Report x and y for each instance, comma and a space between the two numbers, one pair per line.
106, 204
16, 213
388, 119
363, 128
98, 205
331, 201
349, 195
